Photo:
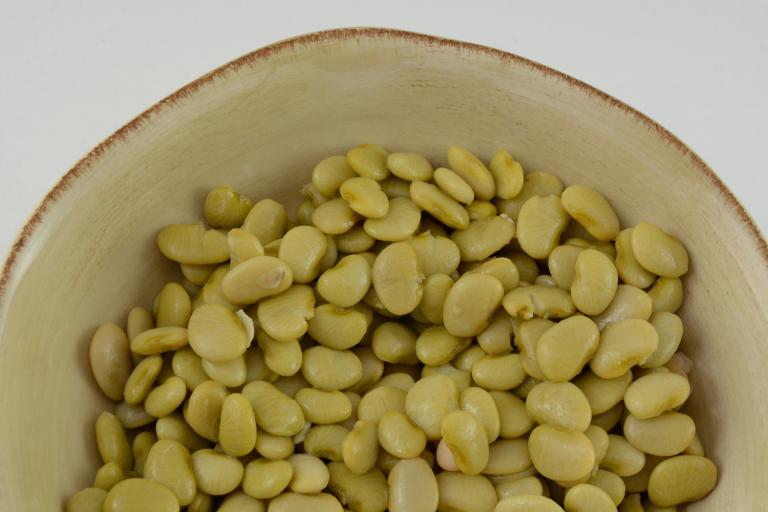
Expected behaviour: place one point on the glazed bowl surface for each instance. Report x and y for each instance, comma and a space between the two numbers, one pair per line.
260, 123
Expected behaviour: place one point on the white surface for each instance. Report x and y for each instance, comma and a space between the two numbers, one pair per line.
73, 72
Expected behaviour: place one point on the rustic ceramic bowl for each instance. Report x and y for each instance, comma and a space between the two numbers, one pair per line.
260, 123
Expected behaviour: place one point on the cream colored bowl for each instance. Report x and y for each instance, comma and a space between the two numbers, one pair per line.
260, 123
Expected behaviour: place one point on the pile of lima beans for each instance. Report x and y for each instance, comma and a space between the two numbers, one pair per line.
469, 338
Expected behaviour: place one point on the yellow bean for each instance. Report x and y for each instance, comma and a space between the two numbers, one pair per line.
193, 244
364, 196
334, 217
89, 499
564, 349
326, 441
134, 494
610, 483
292, 501
594, 282
462, 378
285, 316
592, 210
437, 254
473, 171
470, 303
525, 486
508, 456
561, 404
139, 320
498, 373
588, 498
346, 284
395, 187
629, 302
175, 428
310, 474
393, 342
313, 194
304, 212
168, 463
453, 185
632, 503
273, 447
369, 160
659, 252
173, 306
630, 270
265, 479
225, 208
436, 288
603, 394
513, 418
267, 220
230, 373
412, 487
399, 223
653, 394
275, 412
132, 415
110, 359
189, 367
111, 441
241, 502
330, 173
669, 327
380, 400
354, 241
237, 426
302, 249
622, 458
373, 369
159, 340
324, 407
681, 479
480, 403
562, 265
609, 418
623, 344
559, 454
217, 334
330, 369
281, 357
397, 278
203, 409
527, 337
508, 175
540, 301
142, 378
336, 327
496, 338
435, 345
479, 210
399, 436
429, 401
212, 292
108, 476
216, 474
409, 166
441, 206
361, 447
363, 493
484, 237
465, 493
665, 435
166, 397
539, 225
666, 294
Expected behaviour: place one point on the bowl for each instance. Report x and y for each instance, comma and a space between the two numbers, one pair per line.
260, 123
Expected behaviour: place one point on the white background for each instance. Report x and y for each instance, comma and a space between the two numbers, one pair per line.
72, 72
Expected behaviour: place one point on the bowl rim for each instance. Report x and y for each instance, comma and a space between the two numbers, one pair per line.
81, 168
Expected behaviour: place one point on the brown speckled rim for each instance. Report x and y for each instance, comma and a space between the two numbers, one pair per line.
82, 167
